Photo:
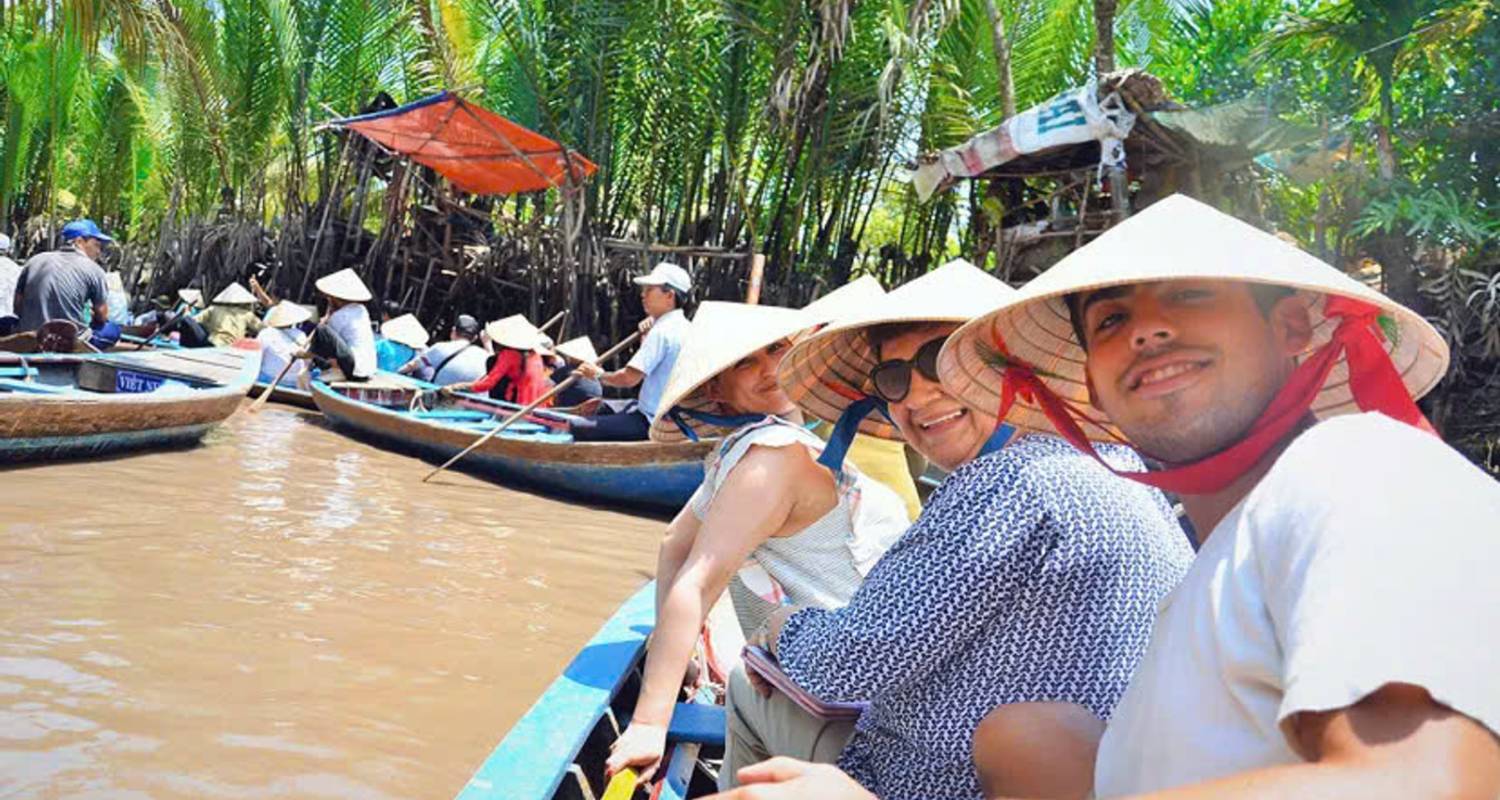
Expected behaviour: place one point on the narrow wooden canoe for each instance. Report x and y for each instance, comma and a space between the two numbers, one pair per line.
557, 749
632, 473
70, 405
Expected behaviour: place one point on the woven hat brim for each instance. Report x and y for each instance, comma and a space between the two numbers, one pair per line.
234, 295
406, 330
286, 314
579, 349
826, 372
344, 285
1036, 328
712, 348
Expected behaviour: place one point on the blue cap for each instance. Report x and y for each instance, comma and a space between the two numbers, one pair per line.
83, 227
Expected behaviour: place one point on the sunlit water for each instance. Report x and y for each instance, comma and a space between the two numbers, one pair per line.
284, 612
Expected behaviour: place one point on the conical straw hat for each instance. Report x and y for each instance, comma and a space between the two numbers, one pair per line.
1176, 238
344, 285
407, 330
515, 332
193, 297
846, 299
234, 295
286, 314
719, 335
828, 371
579, 349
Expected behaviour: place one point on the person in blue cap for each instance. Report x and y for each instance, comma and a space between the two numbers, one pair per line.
66, 283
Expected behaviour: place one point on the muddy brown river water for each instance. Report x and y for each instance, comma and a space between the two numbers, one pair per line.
284, 612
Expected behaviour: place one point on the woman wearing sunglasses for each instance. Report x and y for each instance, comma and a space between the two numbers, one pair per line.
767, 515
1032, 575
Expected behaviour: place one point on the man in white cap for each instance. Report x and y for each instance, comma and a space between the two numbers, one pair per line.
664, 292
9, 272
66, 283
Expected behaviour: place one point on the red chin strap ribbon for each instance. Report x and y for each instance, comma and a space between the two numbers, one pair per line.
1373, 381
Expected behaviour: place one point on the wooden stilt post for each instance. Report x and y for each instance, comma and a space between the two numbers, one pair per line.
757, 271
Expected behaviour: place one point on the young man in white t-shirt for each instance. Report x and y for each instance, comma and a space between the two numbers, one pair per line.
1336, 635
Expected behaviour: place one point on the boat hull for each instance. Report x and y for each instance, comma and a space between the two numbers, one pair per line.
284, 395
74, 424
648, 474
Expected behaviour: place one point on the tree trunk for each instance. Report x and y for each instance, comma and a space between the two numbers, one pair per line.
1002, 59
1104, 36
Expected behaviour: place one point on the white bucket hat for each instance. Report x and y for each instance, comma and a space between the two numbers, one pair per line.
193, 297
580, 348
285, 314
830, 370
234, 295
667, 274
344, 285
719, 335
1176, 238
405, 329
515, 332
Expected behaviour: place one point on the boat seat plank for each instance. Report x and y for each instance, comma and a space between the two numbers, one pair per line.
697, 723
534, 757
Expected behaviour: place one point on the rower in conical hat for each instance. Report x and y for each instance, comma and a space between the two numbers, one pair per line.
1044, 561
228, 318
810, 534
280, 341
1344, 548
343, 344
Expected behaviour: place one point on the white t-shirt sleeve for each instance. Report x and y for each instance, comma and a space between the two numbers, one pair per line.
649, 354
1379, 551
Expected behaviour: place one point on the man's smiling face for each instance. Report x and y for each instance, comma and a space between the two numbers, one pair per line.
1185, 367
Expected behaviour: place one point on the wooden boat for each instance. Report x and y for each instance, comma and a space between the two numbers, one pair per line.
69, 405
557, 749
537, 453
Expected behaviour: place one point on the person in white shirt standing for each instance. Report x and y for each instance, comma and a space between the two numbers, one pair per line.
345, 339
9, 272
1336, 634
664, 293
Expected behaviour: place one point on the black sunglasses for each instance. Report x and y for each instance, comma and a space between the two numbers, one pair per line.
892, 378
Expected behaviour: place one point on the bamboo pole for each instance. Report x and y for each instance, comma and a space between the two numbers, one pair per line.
529, 408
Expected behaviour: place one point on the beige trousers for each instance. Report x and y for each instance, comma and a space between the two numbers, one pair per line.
762, 727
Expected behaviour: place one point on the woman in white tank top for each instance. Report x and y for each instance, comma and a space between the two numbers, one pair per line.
792, 529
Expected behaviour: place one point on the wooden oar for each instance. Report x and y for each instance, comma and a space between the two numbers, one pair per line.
542, 328
265, 395
530, 407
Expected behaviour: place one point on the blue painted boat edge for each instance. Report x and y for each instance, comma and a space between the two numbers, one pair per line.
51, 447
666, 486
533, 758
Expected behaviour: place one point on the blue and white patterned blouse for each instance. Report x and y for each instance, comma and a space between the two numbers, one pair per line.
1033, 575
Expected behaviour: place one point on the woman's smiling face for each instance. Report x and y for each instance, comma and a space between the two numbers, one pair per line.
933, 421
749, 385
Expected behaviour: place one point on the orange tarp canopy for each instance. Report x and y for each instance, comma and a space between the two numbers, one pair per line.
476, 149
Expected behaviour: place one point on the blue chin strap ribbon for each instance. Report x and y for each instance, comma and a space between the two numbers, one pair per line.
680, 417
997, 440
845, 429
